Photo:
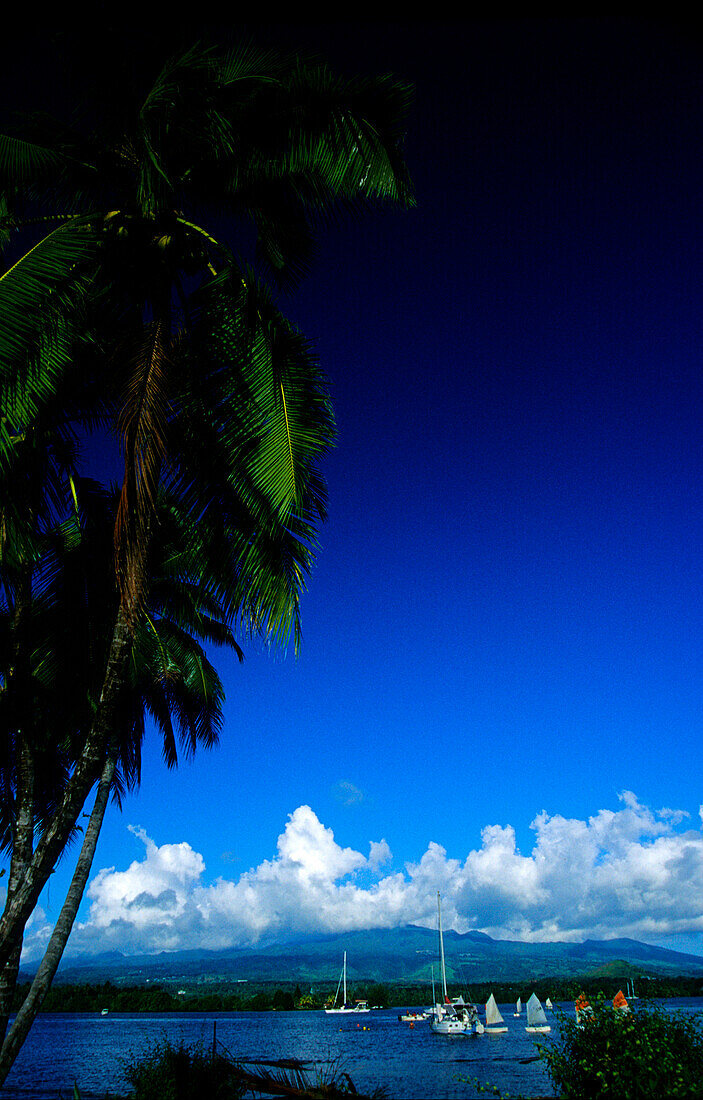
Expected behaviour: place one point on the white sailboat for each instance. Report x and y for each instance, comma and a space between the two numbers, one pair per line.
518, 1007
360, 1006
548, 1004
452, 1017
536, 1020
493, 1017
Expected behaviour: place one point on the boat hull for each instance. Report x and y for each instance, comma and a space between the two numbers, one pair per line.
455, 1027
453, 1022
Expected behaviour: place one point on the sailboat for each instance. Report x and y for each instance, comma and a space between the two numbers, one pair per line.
493, 1017
536, 1020
452, 1017
360, 1006
548, 1004
620, 1003
518, 1007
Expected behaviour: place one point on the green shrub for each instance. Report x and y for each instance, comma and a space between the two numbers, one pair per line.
172, 1072
642, 1054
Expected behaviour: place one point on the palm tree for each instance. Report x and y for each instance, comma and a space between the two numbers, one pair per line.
170, 679
129, 308
32, 759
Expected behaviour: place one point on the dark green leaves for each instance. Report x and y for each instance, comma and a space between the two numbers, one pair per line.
40, 300
25, 163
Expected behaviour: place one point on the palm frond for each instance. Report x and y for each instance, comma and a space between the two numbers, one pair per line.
293, 1078
348, 135
26, 163
248, 63
262, 364
40, 302
342, 137
48, 163
179, 123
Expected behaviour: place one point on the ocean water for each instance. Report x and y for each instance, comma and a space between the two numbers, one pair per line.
376, 1050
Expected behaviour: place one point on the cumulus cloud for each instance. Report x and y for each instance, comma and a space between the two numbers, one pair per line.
632, 871
148, 906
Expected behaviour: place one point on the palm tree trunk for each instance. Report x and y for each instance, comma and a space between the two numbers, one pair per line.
23, 816
22, 828
22, 840
87, 771
8, 985
62, 929
133, 583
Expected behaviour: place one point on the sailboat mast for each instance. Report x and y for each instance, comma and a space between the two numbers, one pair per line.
441, 949
345, 978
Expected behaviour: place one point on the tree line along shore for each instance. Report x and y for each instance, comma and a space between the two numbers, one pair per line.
289, 996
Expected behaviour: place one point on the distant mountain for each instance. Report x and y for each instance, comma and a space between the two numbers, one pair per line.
390, 955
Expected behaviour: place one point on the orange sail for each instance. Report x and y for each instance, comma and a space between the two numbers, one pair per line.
620, 1001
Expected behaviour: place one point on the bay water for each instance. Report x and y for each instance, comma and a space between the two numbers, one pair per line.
409, 1063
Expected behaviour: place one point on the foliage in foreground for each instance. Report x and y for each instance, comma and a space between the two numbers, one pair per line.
171, 1072
642, 1054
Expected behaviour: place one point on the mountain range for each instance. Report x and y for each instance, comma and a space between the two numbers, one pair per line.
407, 954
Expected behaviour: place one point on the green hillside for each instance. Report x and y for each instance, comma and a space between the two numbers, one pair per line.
403, 955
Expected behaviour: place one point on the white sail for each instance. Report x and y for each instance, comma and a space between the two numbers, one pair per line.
518, 1007
493, 1015
535, 1012
548, 1003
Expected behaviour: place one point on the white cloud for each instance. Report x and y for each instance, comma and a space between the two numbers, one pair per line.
626, 872
149, 902
310, 851
379, 853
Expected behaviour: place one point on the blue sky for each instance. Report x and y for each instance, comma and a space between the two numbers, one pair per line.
504, 631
